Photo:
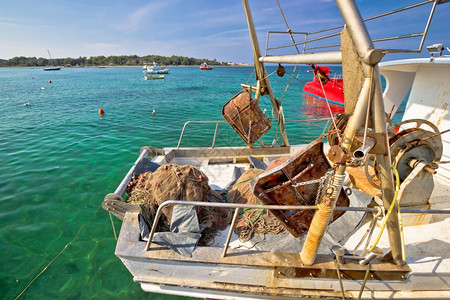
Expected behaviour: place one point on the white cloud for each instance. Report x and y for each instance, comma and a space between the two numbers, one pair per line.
145, 14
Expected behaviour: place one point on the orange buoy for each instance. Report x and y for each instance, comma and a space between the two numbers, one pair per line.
49, 81
101, 112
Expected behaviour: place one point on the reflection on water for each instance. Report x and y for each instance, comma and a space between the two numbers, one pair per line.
316, 107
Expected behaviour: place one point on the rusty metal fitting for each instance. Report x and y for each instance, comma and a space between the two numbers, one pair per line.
337, 155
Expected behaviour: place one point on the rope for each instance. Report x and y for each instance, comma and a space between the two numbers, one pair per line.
394, 201
60, 252
259, 215
266, 76
245, 209
237, 184
364, 282
235, 200
251, 75
252, 220
287, 26
340, 279
288, 84
329, 109
112, 225
257, 224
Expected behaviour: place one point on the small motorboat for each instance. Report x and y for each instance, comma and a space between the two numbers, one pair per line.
324, 87
154, 68
204, 66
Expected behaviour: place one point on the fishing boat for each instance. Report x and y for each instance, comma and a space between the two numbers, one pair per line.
152, 77
204, 66
327, 88
364, 215
51, 68
155, 68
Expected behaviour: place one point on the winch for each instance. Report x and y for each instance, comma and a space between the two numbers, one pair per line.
415, 146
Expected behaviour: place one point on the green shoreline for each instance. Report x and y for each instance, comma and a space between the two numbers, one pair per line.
131, 66
102, 61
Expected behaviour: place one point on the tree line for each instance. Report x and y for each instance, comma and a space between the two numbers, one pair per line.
122, 60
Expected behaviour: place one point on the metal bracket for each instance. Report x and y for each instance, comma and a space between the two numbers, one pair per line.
380, 147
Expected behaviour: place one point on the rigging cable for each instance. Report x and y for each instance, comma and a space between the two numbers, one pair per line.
312, 66
295, 45
329, 109
112, 224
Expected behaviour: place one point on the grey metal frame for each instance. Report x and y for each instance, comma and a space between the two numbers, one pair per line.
217, 122
422, 34
238, 207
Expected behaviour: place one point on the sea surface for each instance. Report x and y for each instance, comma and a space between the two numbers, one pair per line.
59, 158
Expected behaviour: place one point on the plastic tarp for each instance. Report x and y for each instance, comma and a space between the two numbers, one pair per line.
184, 232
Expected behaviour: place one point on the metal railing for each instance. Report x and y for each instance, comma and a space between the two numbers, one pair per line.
201, 122
307, 35
237, 207
217, 122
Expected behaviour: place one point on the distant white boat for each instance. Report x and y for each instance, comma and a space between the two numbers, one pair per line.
51, 68
154, 68
151, 77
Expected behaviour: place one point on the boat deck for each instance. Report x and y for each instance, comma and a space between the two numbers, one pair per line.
279, 271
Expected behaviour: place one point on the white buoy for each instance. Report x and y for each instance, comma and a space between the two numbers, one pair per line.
42, 88
154, 112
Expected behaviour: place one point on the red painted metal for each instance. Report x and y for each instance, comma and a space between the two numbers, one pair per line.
333, 88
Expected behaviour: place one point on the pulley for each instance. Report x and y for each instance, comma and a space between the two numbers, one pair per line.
421, 142
414, 144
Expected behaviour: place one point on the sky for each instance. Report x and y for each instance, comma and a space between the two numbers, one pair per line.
194, 28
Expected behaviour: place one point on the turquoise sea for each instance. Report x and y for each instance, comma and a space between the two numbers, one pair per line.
59, 159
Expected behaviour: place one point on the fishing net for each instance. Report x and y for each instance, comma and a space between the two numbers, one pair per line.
176, 182
252, 222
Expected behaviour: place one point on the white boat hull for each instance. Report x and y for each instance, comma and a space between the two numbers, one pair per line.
245, 274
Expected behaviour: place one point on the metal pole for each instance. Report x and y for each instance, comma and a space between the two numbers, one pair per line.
329, 58
230, 233
369, 57
385, 173
322, 216
215, 135
261, 73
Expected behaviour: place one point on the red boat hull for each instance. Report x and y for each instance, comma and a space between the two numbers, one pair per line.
332, 91
205, 68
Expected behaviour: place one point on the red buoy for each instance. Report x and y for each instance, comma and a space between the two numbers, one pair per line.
101, 112
49, 81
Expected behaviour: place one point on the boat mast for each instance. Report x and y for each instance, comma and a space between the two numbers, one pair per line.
370, 99
51, 59
370, 58
263, 84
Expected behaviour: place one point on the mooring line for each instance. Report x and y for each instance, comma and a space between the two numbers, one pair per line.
60, 252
